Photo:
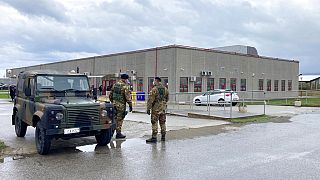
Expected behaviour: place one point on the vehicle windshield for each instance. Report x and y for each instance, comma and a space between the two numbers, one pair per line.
62, 83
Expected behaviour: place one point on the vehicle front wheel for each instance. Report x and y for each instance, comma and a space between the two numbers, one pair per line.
104, 137
43, 141
197, 102
20, 127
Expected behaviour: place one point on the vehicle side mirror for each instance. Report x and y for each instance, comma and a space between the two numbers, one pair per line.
27, 92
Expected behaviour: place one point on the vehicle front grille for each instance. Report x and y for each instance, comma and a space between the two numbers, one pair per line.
83, 116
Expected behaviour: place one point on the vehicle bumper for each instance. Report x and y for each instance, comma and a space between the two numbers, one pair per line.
86, 130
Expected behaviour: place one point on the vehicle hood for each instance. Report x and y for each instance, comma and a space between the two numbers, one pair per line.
67, 101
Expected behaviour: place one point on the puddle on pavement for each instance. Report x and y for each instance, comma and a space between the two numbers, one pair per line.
11, 158
116, 144
87, 148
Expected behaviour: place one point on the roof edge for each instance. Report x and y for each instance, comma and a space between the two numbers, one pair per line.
164, 47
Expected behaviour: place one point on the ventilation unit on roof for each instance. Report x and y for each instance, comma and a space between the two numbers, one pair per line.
193, 78
203, 73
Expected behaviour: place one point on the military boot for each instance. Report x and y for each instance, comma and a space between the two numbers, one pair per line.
152, 140
120, 136
163, 137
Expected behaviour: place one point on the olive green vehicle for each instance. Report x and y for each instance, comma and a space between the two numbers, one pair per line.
60, 105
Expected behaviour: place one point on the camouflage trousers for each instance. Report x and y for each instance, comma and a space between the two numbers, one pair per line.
155, 118
119, 116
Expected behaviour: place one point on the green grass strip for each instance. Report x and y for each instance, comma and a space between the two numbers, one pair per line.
4, 96
261, 118
2, 146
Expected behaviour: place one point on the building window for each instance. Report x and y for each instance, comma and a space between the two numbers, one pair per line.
283, 85
289, 85
140, 84
165, 81
150, 83
243, 85
268, 84
260, 84
222, 83
210, 84
233, 84
276, 85
198, 85
183, 84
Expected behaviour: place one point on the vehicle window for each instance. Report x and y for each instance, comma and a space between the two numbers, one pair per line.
20, 85
31, 85
61, 83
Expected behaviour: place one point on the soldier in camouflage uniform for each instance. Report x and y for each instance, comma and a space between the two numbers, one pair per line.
157, 105
119, 96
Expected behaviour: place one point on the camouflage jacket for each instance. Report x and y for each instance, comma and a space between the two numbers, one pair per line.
120, 93
158, 98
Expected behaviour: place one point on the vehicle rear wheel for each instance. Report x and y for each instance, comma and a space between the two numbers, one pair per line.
20, 127
104, 137
43, 141
197, 102
221, 102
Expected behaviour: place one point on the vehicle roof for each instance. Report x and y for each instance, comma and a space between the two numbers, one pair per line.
47, 72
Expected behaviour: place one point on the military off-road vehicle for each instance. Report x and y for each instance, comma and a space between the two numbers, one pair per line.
60, 105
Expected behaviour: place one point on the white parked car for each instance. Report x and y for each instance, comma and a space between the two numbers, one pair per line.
216, 96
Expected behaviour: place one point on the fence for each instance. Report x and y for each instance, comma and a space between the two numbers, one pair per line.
254, 101
224, 106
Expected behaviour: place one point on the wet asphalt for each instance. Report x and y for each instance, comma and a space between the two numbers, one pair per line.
256, 151
288, 150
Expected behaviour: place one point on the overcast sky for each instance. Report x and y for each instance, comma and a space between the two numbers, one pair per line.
39, 31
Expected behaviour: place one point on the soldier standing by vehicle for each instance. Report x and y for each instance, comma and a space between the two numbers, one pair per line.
157, 104
12, 89
119, 96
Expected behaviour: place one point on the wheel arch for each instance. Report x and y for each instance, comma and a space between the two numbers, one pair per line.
35, 120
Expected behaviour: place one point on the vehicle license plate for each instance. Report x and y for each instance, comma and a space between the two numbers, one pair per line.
71, 130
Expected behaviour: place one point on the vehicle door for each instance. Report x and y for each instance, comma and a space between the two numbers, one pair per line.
20, 101
30, 99
214, 96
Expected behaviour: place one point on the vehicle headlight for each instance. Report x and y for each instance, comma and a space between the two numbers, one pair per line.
59, 116
104, 113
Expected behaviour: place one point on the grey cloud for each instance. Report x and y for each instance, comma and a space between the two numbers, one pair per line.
283, 30
48, 8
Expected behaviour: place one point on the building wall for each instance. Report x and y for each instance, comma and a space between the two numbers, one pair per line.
175, 62
225, 65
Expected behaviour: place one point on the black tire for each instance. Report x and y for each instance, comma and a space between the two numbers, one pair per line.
104, 137
234, 103
43, 141
221, 102
197, 102
20, 127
